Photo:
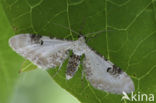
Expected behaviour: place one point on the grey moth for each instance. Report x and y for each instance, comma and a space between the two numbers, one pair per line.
46, 52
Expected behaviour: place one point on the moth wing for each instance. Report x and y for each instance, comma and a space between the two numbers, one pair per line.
45, 53
95, 68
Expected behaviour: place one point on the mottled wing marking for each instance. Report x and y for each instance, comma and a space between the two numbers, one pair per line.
114, 70
105, 75
41, 50
72, 67
36, 39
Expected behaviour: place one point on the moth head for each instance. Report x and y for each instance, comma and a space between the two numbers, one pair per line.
82, 39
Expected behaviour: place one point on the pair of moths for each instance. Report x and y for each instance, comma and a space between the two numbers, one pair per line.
49, 53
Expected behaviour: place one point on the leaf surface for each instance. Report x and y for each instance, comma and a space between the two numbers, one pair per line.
8, 71
125, 34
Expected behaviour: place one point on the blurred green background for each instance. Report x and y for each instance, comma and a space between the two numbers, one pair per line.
37, 87
29, 87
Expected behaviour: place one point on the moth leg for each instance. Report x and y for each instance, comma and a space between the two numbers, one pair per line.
72, 66
83, 72
57, 70
60, 66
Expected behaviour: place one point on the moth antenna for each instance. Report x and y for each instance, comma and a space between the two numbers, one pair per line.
97, 32
82, 23
90, 36
66, 28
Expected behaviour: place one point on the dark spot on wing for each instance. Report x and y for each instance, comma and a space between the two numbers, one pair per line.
114, 70
41, 42
51, 37
108, 69
35, 39
117, 69
32, 36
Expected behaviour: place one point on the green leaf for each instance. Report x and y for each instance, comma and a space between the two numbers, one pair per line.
125, 33
27, 66
8, 71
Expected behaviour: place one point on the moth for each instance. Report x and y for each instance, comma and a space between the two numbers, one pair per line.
46, 52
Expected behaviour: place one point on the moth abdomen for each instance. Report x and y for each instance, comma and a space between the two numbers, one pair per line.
72, 67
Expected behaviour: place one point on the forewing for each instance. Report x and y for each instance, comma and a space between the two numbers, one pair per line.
41, 50
104, 75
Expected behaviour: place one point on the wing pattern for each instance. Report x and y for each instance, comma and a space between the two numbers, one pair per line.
48, 53
42, 51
